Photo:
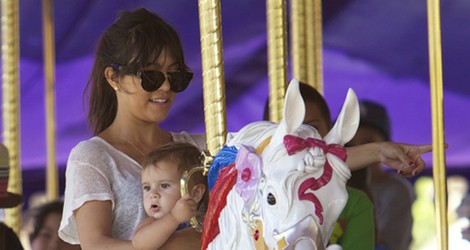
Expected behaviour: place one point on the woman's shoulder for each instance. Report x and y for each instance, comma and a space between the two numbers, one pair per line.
90, 145
92, 148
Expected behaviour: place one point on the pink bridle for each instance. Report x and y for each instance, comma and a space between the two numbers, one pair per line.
295, 144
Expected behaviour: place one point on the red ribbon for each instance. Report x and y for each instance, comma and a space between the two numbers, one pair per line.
295, 144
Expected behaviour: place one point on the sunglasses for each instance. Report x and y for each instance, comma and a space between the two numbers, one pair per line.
152, 80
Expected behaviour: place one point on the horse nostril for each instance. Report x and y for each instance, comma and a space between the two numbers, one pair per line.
271, 199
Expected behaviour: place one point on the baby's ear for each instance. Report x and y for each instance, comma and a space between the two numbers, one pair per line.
197, 192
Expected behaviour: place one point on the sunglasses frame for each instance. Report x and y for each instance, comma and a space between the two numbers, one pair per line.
178, 80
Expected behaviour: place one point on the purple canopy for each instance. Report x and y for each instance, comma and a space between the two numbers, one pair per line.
378, 48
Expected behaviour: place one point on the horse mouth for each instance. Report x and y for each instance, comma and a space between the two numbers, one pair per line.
305, 234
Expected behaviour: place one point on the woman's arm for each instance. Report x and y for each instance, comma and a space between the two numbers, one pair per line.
94, 222
404, 158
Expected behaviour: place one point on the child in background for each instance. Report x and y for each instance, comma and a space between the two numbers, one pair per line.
167, 210
46, 221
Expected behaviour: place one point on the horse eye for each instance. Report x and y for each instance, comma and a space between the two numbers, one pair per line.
271, 199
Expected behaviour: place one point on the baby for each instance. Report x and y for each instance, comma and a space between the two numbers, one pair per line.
167, 210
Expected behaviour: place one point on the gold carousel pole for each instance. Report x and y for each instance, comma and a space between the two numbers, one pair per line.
314, 43
439, 168
277, 56
306, 46
299, 40
11, 103
213, 74
52, 188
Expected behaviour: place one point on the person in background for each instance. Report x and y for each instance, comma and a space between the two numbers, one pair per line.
8, 238
45, 224
463, 212
139, 68
162, 171
393, 195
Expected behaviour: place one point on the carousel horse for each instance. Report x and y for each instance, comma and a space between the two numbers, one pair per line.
285, 187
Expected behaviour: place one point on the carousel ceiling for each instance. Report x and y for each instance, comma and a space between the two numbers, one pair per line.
378, 48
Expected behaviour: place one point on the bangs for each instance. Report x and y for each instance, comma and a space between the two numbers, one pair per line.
147, 41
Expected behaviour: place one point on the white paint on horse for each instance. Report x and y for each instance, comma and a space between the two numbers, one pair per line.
302, 218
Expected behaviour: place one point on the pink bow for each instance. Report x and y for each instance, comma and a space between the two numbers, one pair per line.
295, 144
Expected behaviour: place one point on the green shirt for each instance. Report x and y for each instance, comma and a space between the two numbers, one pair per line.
355, 227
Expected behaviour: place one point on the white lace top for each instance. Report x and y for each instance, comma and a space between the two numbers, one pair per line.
98, 171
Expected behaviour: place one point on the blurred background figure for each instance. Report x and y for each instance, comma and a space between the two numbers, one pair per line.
392, 194
8, 238
424, 230
457, 188
43, 224
424, 225
463, 211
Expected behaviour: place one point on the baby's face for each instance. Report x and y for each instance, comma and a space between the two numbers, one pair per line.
161, 188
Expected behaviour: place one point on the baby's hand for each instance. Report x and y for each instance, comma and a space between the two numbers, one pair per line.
184, 209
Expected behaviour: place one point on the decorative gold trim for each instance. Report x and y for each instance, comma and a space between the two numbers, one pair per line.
184, 189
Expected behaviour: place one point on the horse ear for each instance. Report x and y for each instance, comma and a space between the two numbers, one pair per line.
294, 112
347, 123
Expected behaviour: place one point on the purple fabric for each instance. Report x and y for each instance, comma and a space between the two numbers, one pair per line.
377, 48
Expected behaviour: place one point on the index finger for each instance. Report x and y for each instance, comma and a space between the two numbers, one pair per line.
425, 148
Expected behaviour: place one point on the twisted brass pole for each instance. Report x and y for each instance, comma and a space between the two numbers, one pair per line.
277, 56
299, 40
52, 180
213, 74
314, 44
11, 103
306, 42
437, 100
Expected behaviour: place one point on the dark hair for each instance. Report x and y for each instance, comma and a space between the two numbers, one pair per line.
186, 156
40, 214
309, 94
183, 154
375, 116
135, 40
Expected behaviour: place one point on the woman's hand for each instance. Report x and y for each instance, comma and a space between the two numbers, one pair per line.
404, 158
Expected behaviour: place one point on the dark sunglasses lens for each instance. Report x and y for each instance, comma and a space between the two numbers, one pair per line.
179, 81
152, 80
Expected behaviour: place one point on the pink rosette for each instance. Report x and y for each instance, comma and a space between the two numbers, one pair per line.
248, 165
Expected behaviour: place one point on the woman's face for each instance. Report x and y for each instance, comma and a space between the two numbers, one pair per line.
48, 238
151, 107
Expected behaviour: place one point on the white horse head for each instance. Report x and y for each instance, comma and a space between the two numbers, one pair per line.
287, 186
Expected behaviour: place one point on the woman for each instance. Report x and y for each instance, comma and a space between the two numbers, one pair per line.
139, 67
